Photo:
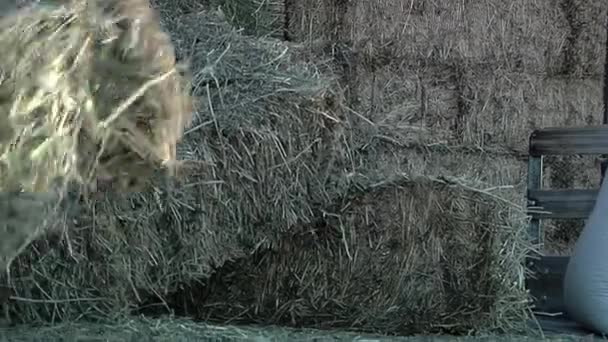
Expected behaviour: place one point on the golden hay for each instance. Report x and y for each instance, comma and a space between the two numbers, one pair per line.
85, 92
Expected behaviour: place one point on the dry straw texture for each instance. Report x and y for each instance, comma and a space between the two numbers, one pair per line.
294, 190
477, 105
185, 330
481, 74
85, 91
259, 142
80, 79
402, 256
533, 36
251, 17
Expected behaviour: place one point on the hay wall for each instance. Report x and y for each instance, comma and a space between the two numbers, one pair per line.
541, 36
482, 74
273, 156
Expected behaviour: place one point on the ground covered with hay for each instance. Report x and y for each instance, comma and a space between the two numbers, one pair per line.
182, 330
324, 183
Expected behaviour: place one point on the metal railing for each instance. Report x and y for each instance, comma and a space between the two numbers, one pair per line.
548, 271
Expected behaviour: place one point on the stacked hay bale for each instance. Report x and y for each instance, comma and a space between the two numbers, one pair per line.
290, 212
261, 136
478, 75
405, 256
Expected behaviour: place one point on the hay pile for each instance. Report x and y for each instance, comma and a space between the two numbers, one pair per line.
556, 38
288, 185
85, 92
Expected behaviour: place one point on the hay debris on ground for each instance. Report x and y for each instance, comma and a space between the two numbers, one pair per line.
184, 330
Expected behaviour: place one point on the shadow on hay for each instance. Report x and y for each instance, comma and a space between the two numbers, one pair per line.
408, 256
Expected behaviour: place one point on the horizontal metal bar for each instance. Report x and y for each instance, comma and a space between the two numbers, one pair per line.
561, 204
569, 140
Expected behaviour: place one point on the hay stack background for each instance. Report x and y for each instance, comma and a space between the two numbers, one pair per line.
275, 156
476, 75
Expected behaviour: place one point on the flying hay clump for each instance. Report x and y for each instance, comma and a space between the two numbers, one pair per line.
83, 93
87, 90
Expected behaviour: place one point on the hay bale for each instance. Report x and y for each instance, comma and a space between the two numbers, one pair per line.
477, 105
472, 104
462, 106
260, 147
405, 256
585, 46
272, 160
87, 90
508, 106
408, 102
252, 17
521, 36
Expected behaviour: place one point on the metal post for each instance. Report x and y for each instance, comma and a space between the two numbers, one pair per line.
535, 177
604, 164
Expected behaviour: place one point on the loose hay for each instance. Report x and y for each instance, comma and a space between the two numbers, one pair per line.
185, 330
85, 91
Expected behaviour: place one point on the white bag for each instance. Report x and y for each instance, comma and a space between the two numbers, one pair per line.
586, 280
